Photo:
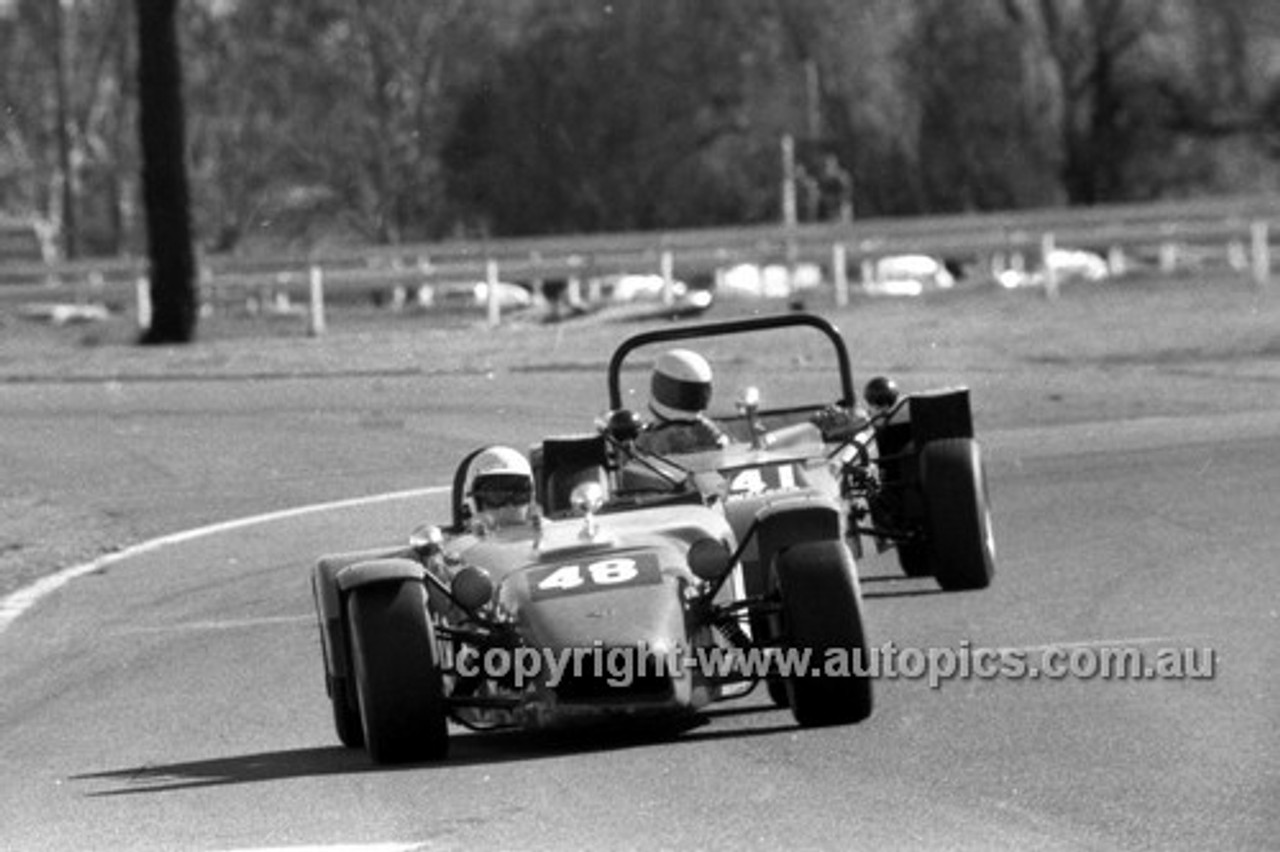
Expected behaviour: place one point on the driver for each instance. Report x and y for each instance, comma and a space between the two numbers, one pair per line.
499, 488
679, 392
498, 494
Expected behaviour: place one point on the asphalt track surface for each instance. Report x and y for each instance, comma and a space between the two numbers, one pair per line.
173, 698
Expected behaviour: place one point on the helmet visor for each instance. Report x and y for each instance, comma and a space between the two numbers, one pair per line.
689, 397
495, 491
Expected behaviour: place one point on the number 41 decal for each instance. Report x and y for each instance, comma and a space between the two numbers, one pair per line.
757, 480
595, 576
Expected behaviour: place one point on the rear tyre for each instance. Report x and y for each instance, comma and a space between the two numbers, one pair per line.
961, 544
914, 558
397, 672
822, 611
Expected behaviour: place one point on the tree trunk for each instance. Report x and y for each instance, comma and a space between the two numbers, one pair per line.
164, 175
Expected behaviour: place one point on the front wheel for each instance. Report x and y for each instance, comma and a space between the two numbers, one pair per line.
397, 670
961, 544
822, 612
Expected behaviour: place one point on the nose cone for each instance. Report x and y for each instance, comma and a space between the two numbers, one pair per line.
612, 645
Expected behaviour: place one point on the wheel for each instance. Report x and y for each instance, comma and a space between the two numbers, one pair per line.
777, 689
397, 672
822, 611
961, 545
346, 714
913, 557
765, 627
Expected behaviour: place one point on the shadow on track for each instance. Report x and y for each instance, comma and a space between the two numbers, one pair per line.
897, 586
465, 749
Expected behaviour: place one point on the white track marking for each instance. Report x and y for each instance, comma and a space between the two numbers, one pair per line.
1098, 643
229, 624
15, 604
339, 847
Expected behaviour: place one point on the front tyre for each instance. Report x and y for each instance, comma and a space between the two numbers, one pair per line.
961, 544
397, 670
822, 612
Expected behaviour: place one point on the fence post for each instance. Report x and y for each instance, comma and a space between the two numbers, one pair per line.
667, 263
1047, 247
491, 278
1259, 233
315, 307
1168, 258
142, 289
840, 273
204, 290
1116, 263
1238, 256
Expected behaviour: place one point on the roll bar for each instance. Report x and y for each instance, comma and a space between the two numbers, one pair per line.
727, 327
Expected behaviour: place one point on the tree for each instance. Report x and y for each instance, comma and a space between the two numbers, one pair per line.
1094, 56
628, 118
365, 121
165, 196
984, 141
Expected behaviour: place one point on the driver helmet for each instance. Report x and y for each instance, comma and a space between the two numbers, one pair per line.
500, 487
680, 388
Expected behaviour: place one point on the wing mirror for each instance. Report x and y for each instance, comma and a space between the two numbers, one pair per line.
587, 498
426, 539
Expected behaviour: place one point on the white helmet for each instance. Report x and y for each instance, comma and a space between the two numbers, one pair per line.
681, 385
500, 485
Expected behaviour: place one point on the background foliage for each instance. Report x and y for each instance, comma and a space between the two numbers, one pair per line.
357, 121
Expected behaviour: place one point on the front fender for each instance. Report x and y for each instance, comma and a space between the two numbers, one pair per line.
327, 591
782, 519
380, 571
781, 523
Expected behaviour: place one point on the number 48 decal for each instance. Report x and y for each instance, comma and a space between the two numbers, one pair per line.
595, 576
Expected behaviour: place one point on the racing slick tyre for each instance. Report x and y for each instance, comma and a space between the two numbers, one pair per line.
777, 688
822, 611
913, 557
397, 672
961, 545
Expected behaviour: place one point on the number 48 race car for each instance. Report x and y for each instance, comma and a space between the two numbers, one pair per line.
648, 582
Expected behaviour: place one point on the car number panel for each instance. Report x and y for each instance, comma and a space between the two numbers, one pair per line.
599, 574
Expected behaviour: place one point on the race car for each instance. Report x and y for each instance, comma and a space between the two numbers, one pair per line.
906, 467
694, 572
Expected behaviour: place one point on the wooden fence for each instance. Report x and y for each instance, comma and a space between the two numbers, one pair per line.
1246, 225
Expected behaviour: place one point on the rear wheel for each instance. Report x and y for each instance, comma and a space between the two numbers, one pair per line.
961, 545
822, 611
397, 672
914, 558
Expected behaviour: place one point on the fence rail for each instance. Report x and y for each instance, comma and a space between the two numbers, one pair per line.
1247, 224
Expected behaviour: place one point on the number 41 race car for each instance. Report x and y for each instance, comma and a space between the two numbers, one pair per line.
648, 584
